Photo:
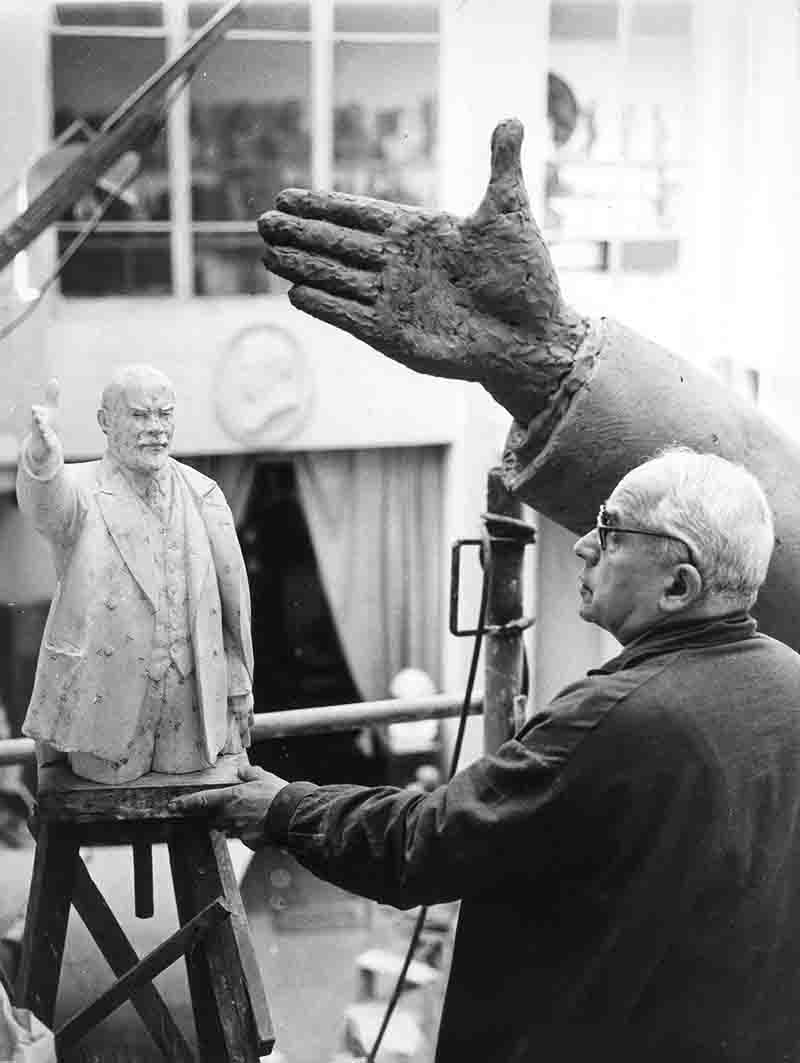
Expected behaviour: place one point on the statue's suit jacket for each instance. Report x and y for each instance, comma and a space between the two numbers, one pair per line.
92, 670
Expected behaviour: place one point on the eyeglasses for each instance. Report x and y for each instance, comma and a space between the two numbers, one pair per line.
604, 526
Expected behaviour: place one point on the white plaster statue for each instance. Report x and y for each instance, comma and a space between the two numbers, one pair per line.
146, 662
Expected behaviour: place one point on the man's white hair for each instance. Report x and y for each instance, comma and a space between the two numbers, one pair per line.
714, 505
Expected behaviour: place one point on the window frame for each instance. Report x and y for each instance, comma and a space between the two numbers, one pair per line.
175, 30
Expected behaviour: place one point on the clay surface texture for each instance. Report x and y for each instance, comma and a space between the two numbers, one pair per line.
478, 299
146, 662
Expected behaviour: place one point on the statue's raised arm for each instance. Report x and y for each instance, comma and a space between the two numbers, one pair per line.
474, 298
478, 299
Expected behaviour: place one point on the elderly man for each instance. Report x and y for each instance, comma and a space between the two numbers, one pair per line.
629, 863
146, 661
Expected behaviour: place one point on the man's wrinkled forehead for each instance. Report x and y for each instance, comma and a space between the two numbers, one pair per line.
639, 485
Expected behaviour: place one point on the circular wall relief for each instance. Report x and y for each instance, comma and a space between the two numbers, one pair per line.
263, 386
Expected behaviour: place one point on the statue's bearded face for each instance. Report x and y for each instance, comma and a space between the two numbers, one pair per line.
139, 424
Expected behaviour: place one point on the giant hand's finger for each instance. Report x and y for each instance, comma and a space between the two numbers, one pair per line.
355, 212
356, 318
348, 245
303, 267
506, 192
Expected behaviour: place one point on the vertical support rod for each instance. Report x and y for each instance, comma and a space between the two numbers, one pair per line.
503, 652
143, 879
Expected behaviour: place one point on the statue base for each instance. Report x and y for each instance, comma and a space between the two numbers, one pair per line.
230, 1007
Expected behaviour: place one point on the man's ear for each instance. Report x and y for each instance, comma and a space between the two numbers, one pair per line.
682, 589
102, 420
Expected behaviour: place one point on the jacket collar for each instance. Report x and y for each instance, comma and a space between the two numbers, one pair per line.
677, 635
121, 512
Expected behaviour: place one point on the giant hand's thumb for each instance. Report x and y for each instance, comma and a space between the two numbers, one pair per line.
506, 192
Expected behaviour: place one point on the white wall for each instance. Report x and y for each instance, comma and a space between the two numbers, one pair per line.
356, 397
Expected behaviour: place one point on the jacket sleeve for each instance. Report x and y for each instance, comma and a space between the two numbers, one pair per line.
51, 500
566, 803
493, 820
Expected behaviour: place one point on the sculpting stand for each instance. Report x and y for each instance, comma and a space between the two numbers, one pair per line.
230, 1007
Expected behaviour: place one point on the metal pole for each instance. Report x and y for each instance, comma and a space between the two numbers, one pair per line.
507, 537
321, 719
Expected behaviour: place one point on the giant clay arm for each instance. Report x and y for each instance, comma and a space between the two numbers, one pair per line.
478, 299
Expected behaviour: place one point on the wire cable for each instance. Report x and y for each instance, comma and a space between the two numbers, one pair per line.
423, 912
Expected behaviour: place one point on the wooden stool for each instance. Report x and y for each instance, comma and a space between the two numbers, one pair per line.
228, 1000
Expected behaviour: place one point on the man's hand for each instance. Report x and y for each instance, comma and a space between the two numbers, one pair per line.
238, 810
474, 299
43, 438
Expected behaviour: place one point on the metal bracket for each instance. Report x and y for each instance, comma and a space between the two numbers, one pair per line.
455, 577
498, 529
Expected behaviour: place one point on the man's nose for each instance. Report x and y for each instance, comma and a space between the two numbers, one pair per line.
588, 546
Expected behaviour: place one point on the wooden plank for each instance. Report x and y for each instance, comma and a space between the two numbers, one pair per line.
229, 1028
183, 941
244, 944
91, 906
52, 883
62, 795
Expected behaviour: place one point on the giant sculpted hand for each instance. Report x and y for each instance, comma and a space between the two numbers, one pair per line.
474, 298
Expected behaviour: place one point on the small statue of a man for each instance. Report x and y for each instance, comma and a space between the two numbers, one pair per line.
146, 661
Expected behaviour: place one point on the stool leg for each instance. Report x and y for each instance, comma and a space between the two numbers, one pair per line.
46, 920
228, 1027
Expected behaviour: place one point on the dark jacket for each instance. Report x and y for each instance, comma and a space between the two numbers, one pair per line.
628, 864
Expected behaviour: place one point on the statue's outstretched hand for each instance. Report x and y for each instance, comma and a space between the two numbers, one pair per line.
44, 438
474, 298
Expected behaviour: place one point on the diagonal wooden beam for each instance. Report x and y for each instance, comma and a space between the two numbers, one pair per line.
145, 970
100, 921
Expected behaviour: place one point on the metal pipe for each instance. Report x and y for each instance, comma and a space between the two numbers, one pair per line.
507, 536
322, 719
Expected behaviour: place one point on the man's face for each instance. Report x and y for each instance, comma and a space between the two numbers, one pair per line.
139, 424
621, 587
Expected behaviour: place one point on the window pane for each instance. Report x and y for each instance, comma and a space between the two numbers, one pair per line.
385, 126
230, 264
262, 15
91, 77
250, 128
143, 13
360, 17
583, 21
117, 263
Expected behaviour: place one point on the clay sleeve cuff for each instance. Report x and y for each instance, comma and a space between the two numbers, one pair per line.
279, 817
626, 399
